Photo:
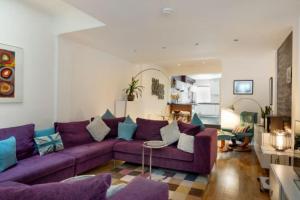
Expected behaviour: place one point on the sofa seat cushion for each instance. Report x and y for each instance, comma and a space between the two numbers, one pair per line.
169, 152
35, 167
92, 150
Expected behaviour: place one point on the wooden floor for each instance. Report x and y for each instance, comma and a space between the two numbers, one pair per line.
234, 177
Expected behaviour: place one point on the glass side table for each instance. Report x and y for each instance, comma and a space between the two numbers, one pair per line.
153, 144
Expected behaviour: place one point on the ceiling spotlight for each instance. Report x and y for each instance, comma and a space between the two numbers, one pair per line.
134, 50
236, 40
163, 47
178, 64
197, 44
167, 11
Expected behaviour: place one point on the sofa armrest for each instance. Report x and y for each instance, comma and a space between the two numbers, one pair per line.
143, 189
205, 150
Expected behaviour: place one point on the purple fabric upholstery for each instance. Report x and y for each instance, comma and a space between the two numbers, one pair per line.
149, 129
89, 189
91, 155
113, 125
73, 133
24, 137
93, 163
88, 151
35, 167
169, 152
205, 151
205, 154
189, 129
143, 189
11, 184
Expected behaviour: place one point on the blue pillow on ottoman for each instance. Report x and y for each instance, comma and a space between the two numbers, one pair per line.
8, 156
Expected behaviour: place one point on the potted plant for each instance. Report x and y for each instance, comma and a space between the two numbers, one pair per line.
264, 113
134, 89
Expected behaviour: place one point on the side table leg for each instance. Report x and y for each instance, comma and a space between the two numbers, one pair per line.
150, 163
143, 160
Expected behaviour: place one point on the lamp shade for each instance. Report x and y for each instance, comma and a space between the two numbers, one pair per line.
281, 140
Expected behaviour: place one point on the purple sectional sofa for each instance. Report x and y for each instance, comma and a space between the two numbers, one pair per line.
82, 153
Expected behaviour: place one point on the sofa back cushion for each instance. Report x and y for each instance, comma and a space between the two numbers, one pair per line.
24, 139
189, 129
113, 125
89, 189
73, 133
149, 129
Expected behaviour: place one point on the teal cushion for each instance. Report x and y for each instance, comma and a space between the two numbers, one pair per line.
48, 144
113, 189
128, 120
8, 156
126, 130
197, 121
108, 115
44, 132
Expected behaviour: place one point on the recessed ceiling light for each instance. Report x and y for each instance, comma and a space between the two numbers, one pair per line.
163, 47
196, 44
178, 64
134, 50
236, 40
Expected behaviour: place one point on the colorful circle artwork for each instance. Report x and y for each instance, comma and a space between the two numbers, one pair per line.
6, 89
6, 73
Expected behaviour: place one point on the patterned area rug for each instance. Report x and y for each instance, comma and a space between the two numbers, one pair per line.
182, 186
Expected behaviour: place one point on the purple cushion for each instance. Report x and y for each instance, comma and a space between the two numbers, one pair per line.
169, 152
189, 129
35, 167
88, 189
11, 184
143, 189
113, 125
73, 133
24, 137
149, 129
92, 150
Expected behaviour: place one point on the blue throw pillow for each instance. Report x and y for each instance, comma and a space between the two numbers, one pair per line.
48, 144
128, 120
197, 121
126, 130
44, 132
108, 115
8, 155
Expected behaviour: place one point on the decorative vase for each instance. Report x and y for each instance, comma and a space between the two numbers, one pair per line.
130, 98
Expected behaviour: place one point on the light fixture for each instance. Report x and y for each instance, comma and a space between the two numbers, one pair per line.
196, 44
236, 40
281, 140
164, 47
167, 11
178, 64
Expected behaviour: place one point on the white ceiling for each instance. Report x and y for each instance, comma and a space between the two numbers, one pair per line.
136, 30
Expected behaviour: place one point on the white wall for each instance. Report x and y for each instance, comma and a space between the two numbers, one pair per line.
31, 30
257, 67
89, 80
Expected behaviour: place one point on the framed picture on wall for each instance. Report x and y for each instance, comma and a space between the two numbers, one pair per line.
243, 87
11, 74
